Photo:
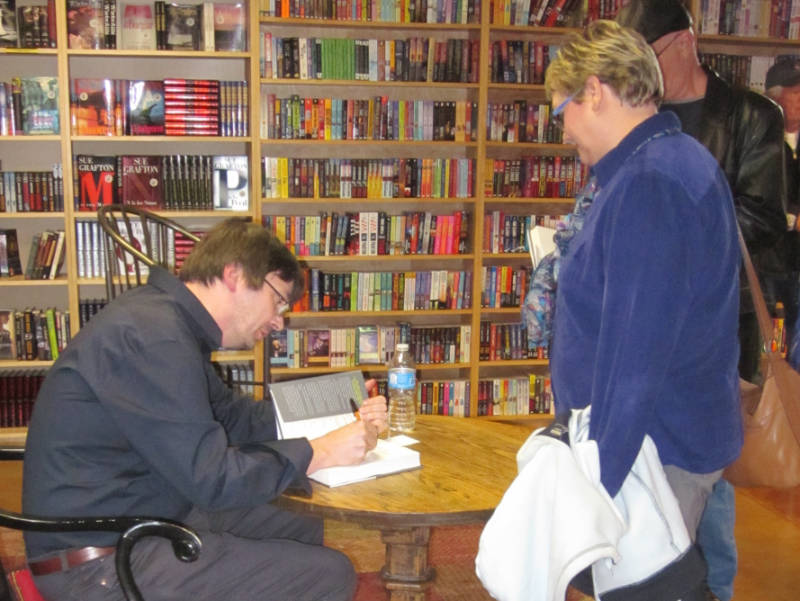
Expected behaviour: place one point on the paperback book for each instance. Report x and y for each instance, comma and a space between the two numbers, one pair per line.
312, 407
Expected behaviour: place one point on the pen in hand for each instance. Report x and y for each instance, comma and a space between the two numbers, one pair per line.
354, 407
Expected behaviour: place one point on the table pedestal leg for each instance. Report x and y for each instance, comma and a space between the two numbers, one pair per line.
407, 574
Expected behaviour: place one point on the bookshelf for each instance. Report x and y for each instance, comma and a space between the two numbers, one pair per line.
480, 91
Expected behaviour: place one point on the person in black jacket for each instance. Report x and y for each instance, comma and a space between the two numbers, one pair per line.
744, 132
782, 273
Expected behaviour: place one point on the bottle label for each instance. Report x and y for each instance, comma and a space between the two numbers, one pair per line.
402, 378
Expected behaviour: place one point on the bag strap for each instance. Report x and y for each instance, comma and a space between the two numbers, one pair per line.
784, 374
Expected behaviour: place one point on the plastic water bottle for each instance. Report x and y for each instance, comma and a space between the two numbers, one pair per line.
402, 391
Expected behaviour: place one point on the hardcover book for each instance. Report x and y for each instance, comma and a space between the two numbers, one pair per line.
8, 342
95, 175
93, 106
40, 105
183, 26
10, 263
85, 23
231, 183
312, 407
8, 24
146, 107
138, 26
230, 26
141, 182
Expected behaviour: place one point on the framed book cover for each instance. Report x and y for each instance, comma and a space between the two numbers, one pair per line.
96, 181
40, 105
85, 24
93, 106
230, 27
231, 183
141, 181
138, 26
183, 26
146, 107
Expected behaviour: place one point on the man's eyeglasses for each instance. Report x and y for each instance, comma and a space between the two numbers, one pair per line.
283, 302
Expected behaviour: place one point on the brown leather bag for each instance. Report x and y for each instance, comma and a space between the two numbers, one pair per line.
771, 452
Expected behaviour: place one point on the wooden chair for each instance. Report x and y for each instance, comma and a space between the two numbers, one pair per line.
185, 542
135, 240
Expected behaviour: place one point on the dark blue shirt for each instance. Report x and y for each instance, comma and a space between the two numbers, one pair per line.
132, 419
647, 311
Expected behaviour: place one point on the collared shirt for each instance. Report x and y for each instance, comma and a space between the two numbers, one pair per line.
132, 419
647, 312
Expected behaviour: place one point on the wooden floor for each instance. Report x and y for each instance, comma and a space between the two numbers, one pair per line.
767, 531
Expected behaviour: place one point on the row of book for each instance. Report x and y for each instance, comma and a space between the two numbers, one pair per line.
18, 390
519, 61
506, 233
29, 106
739, 70
91, 248
172, 107
30, 26
507, 341
534, 177
371, 233
377, 118
504, 285
754, 18
367, 345
32, 191
209, 26
520, 121
45, 257
515, 396
414, 59
386, 291
392, 11
199, 182
360, 345
541, 13
239, 377
33, 334
88, 308
443, 397
284, 177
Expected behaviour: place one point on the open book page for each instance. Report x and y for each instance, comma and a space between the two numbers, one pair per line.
540, 242
312, 407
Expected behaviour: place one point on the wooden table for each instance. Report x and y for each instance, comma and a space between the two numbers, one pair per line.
468, 463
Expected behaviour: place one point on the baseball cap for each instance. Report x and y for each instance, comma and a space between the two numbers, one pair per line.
785, 72
655, 18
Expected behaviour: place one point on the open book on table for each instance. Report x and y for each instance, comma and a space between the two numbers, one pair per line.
312, 407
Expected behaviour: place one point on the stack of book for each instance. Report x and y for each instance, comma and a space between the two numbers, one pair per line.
29, 106
33, 334
46, 256
32, 191
30, 26
191, 107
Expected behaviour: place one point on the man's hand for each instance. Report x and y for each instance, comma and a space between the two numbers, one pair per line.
347, 445
373, 410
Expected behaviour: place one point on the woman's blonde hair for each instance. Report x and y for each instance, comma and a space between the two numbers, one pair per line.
618, 56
